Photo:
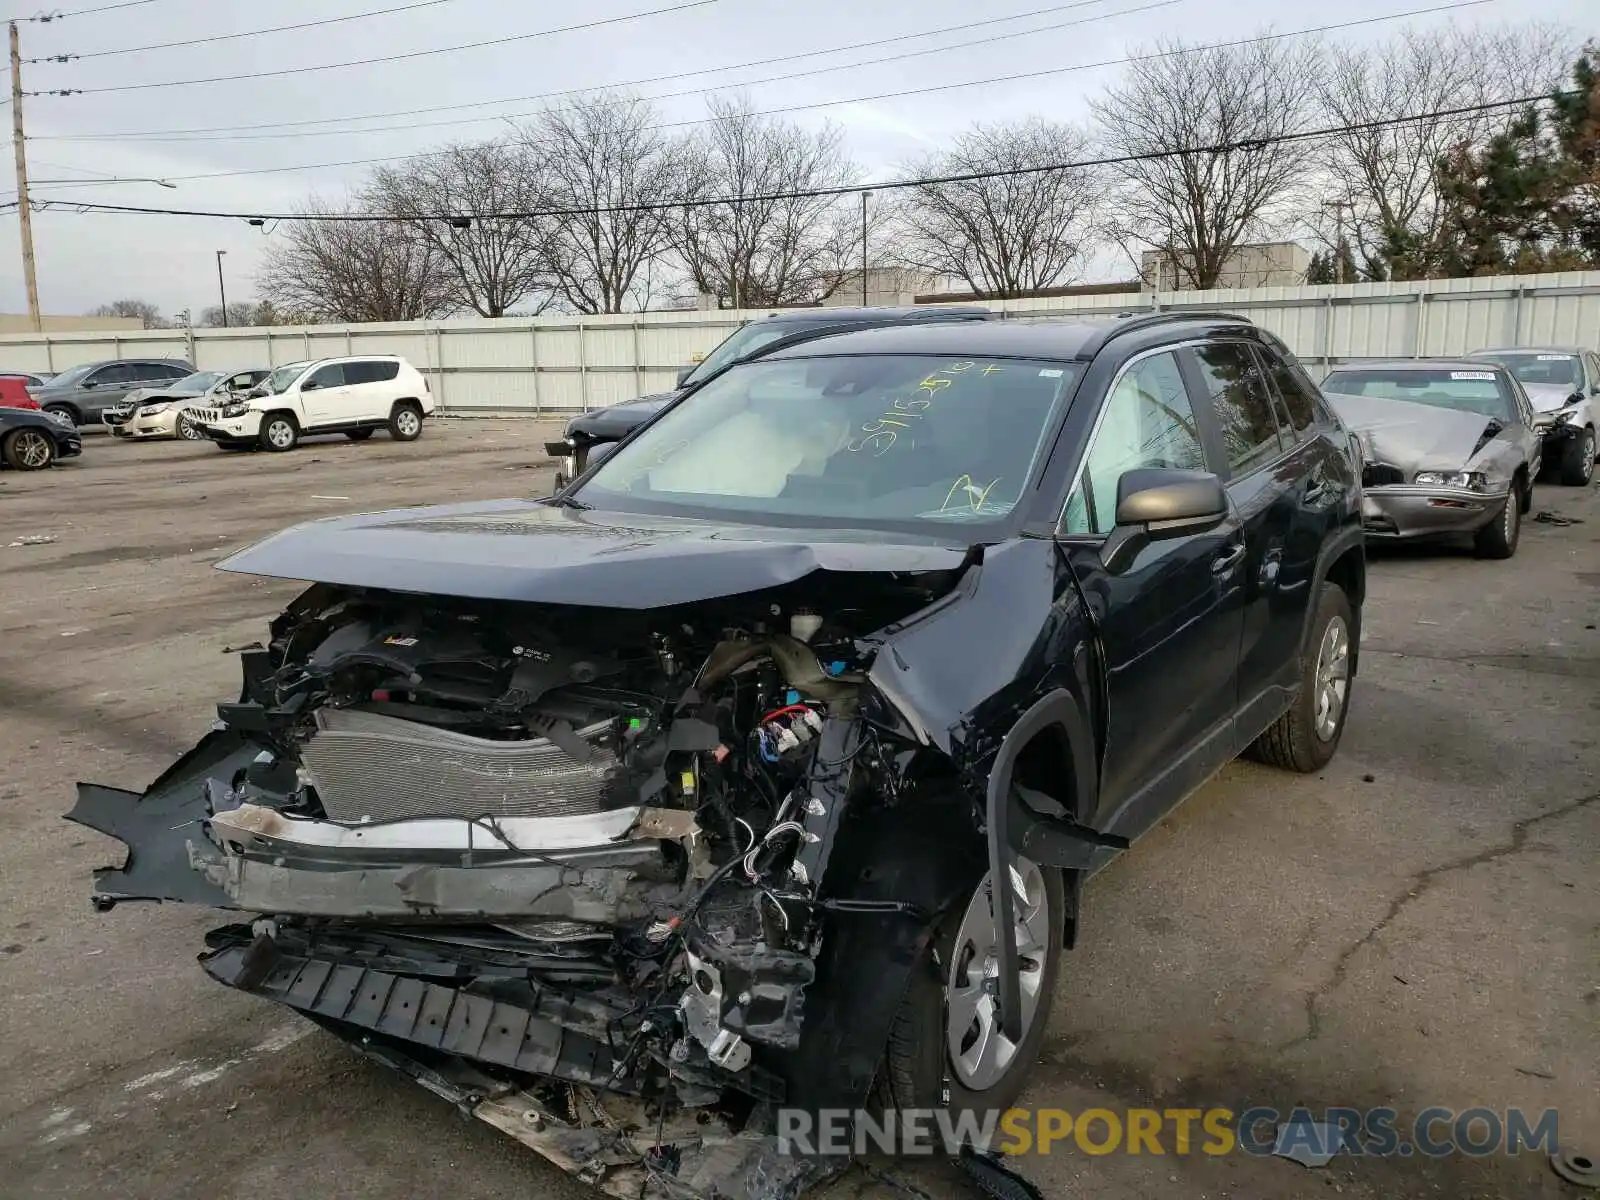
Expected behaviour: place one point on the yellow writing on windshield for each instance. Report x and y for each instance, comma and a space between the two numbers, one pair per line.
967, 494
882, 433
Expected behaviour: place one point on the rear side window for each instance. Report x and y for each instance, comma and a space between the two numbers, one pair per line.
329, 376
163, 371
370, 371
1295, 392
1239, 393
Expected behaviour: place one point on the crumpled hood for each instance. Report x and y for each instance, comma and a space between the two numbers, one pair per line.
1413, 437
541, 553
618, 420
1548, 397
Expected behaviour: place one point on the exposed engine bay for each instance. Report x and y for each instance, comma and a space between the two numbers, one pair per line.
519, 846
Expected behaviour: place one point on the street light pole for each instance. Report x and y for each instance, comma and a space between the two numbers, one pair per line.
864, 196
222, 288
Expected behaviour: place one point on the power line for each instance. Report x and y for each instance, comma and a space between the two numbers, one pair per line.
387, 58
871, 62
157, 135
940, 87
820, 193
46, 18
226, 37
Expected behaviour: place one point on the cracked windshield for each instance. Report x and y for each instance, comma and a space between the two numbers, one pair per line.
879, 438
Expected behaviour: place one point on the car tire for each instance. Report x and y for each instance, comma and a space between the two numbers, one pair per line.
188, 431
28, 450
923, 1051
1305, 738
358, 435
1499, 538
279, 432
67, 411
405, 422
1577, 459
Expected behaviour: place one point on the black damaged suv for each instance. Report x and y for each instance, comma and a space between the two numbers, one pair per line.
681, 797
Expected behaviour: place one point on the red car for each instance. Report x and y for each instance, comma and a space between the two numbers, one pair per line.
14, 393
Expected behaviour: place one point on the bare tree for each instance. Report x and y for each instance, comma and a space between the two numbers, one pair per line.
1206, 168
139, 310
1385, 199
606, 169
1008, 234
770, 246
241, 315
451, 200
334, 268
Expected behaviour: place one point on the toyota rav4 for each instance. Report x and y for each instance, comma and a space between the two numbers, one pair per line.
762, 769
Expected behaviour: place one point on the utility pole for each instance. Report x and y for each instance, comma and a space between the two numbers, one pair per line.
864, 198
222, 288
24, 212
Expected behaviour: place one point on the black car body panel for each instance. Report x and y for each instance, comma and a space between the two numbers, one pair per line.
615, 422
940, 703
68, 442
531, 552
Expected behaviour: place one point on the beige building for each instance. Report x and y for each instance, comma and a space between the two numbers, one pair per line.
14, 323
1262, 264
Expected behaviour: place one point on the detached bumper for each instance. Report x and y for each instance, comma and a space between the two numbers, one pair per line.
1402, 511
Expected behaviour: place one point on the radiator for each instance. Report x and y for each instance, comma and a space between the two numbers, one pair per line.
369, 766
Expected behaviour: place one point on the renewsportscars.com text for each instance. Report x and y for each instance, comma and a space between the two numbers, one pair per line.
1433, 1133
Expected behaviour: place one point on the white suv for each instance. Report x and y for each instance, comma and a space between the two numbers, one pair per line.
352, 396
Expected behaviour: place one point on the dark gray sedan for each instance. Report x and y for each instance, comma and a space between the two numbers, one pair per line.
1447, 448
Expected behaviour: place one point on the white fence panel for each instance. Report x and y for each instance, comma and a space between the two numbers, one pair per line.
560, 364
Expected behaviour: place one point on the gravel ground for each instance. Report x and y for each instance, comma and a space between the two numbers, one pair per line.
1418, 925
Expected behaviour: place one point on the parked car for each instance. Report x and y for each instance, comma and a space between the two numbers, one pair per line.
31, 440
604, 426
14, 394
84, 393
1447, 448
1563, 382
162, 412
699, 772
354, 396
30, 379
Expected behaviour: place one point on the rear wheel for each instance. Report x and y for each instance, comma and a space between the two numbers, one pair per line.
1498, 539
1577, 460
948, 1023
1305, 737
279, 432
29, 450
405, 423
358, 435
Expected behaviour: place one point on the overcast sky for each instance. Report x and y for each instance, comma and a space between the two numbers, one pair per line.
88, 259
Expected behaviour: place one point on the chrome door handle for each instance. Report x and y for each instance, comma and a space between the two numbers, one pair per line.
1228, 558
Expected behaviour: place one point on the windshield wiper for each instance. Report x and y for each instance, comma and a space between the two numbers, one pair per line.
566, 501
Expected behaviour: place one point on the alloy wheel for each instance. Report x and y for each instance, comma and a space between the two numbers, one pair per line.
32, 449
280, 434
1333, 676
407, 422
980, 1054
187, 430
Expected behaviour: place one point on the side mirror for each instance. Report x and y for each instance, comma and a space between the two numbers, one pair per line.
1154, 504
310, 385
684, 375
88, 385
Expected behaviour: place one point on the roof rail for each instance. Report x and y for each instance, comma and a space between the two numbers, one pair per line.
1129, 321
